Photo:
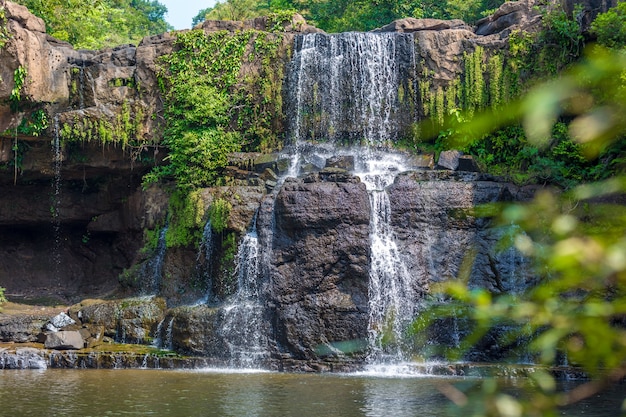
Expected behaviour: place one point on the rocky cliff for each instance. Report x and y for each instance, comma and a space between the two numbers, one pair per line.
73, 214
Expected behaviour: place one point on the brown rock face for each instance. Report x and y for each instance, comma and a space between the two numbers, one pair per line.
63, 340
319, 270
509, 16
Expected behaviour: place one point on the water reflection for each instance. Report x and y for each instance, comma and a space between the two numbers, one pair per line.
192, 393
401, 397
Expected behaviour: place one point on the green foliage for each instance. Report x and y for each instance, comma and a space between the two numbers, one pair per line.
234, 10
276, 21
186, 211
3, 299
345, 16
561, 41
123, 129
610, 27
215, 104
4, 31
201, 16
507, 152
19, 78
35, 124
95, 24
474, 83
219, 213
151, 240
468, 10
574, 240
490, 82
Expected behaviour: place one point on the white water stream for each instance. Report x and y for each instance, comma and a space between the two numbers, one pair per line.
243, 327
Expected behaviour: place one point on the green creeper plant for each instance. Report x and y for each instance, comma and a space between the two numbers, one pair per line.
215, 104
4, 31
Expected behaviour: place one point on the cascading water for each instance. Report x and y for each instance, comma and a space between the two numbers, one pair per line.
243, 326
152, 271
351, 88
392, 298
57, 158
204, 259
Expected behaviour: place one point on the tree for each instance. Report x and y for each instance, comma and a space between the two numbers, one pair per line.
201, 16
610, 27
96, 24
234, 10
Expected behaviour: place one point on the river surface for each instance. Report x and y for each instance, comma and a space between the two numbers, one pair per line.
85, 393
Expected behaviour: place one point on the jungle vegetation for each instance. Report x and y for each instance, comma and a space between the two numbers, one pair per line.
345, 16
94, 24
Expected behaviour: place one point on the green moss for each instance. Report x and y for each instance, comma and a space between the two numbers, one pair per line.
186, 212
3, 299
219, 213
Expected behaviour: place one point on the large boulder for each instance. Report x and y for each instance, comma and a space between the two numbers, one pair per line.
410, 25
64, 340
132, 320
509, 16
319, 270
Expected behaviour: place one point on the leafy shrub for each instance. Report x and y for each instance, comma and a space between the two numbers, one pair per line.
610, 27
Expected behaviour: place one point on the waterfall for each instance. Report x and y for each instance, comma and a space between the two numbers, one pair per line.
355, 89
57, 160
169, 339
243, 326
204, 259
351, 88
392, 298
152, 271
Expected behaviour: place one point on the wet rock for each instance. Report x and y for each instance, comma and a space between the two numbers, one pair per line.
432, 213
264, 161
345, 162
195, 330
269, 175
320, 264
64, 340
23, 358
421, 161
131, 320
468, 163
